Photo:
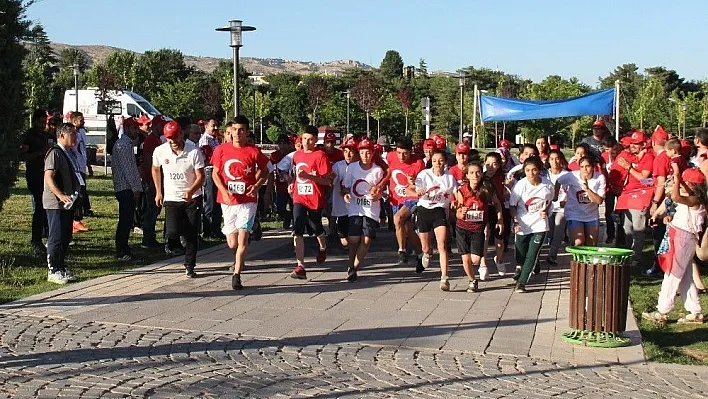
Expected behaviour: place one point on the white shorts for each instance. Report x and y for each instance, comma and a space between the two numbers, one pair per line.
238, 217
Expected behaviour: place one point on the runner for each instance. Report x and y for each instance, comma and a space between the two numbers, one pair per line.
556, 168
312, 174
339, 207
462, 151
182, 164
239, 172
362, 195
404, 167
494, 181
530, 202
543, 148
435, 188
581, 150
585, 192
472, 216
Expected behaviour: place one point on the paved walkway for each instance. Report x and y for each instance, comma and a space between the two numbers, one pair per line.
151, 332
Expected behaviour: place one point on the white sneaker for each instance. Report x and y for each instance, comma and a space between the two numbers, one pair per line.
501, 267
58, 277
444, 285
137, 230
70, 276
483, 273
425, 259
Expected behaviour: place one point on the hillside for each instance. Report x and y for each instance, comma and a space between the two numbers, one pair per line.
257, 66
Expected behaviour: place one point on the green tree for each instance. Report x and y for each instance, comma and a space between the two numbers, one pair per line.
14, 27
273, 132
317, 93
157, 67
392, 65
178, 98
39, 69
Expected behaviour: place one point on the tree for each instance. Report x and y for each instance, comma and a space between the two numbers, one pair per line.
161, 66
273, 132
392, 65
317, 93
367, 94
422, 69
177, 98
38, 70
405, 98
14, 27
70, 56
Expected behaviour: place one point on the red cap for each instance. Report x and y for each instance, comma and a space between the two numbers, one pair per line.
329, 136
659, 135
554, 146
598, 124
505, 143
440, 142
67, 116
350, 143
625, 141
462, 148
298, 140
428, 144
694, 176
143, 120
201, 123
366, 143
171, 130
637, 137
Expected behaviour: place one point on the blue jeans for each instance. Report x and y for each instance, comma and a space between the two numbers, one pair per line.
125, 221
150, 213
60, 232
211, 225
35, 184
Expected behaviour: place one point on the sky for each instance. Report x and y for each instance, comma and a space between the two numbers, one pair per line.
532, 39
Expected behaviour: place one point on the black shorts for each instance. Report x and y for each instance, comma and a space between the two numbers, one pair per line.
303, 215
429, 219
362, 226
494, 233
470, 242
342, 226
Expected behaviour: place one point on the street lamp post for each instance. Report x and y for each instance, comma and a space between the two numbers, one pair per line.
236, 27
349, 95
76, 85
462, 104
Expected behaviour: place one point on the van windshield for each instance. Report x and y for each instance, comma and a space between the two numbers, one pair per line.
148, 108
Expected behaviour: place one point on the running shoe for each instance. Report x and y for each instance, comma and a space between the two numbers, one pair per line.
474, 286
351, 274
501, 267
125, 258
57, 277
190, 271
402, 258
520, 288
425, 259
419, 268
445, 285
321, 256
299, 273
483, 273
79, 226
517, 275
537, 268
236, 282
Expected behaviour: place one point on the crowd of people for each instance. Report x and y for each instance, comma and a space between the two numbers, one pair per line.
218, 185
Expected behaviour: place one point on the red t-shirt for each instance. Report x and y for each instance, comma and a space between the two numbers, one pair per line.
238, 167
644, 164
335, 156
305, 191
662, 166
151, 142
456, 172
573, 166
400, 171
475, 218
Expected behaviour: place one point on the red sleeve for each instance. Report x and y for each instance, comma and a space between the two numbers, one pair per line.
323, 167
661, 165
605, 156
261, 161
646, 163
216, 157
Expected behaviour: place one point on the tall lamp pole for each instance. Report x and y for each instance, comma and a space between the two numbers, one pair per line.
76, 85
236, 27
349, 95
462, 103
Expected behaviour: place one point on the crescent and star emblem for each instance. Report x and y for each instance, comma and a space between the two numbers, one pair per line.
242, 171
297, 171
400, 182
356, 184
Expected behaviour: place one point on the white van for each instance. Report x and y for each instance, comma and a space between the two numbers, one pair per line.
94, 110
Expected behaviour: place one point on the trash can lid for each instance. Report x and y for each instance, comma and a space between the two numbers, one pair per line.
600, 254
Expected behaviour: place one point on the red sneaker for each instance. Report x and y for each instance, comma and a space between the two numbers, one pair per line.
299, 273
321, 256
78, 226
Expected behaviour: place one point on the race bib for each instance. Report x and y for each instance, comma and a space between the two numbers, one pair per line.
237, 187
305, 189
176, 176
401, 191
474, 216
583, 197
362, 201
537, 207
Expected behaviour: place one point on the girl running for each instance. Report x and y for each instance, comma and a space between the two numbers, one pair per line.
556, 168
494, 180
585, 190
473, 198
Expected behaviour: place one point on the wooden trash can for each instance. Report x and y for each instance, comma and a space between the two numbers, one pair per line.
599, 295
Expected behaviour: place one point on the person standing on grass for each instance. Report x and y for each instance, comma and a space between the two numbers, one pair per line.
362, 194
530, 202
435, 188
35, 143
311, 177
239, 172
585, 192
689, 196
472, 216
150, 209
126, 182
83, 207
556, 168
62, 184
182, 164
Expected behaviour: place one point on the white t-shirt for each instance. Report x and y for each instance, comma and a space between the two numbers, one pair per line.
286, 164
359, 182
179, 171
440, 190
339, 207
530, 201
555, 206
578, 206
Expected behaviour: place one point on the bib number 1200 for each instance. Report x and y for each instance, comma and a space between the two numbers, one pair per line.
176, 176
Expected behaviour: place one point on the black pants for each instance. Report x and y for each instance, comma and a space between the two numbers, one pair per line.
35, 184
657, 235
211, 225
126, 205
86, 201
60, 232
183, 219
150, 213
610, 222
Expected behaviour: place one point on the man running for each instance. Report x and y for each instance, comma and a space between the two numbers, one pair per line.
239, 172
404, 166
312, 176
339, 207
182, 164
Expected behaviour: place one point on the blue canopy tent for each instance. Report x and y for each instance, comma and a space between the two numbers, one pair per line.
498, 109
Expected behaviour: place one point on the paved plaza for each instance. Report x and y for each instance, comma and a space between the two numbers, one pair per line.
151, 332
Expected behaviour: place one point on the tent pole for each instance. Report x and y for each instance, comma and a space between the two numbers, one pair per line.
617, 109
474, 118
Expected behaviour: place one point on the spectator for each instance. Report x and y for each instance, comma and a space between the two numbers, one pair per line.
62, 184
594, 142
83, 207
127, 185
150, 209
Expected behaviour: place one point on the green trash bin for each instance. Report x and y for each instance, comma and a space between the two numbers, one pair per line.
599, 294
